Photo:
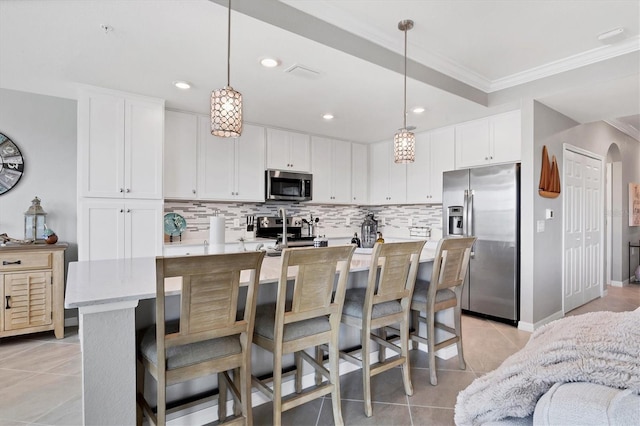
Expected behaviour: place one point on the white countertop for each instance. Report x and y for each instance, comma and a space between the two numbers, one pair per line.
110, 281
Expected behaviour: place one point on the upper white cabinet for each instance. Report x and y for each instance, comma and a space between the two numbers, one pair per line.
230, 169
180, 155
119, 229
495, 139
434, 155
120, 144
331, 168
288, 150
359, 173
388, 180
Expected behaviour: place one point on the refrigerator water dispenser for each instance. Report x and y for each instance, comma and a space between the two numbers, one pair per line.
455, 220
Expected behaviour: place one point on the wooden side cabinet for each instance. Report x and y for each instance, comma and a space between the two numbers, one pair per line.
32, 289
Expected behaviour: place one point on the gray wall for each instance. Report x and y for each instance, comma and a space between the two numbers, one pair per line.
553, 130
44, 129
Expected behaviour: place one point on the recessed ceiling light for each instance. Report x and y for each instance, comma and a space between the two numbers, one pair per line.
328, 116
418, 110
609, 34
184, 85
269, 62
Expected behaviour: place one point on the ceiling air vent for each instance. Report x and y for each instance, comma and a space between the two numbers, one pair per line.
304, 72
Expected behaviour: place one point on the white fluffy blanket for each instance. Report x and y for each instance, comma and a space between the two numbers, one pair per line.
597, 347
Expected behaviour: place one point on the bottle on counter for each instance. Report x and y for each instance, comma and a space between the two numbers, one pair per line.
368, 231
380, 239
355, 240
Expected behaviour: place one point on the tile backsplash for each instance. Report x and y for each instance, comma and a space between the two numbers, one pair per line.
334, 221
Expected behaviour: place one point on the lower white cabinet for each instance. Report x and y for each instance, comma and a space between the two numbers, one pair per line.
117, 229
434, 155
331, 168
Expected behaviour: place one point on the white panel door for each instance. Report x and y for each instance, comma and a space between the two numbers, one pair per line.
573, 230
583, 229
593, 231
341, 176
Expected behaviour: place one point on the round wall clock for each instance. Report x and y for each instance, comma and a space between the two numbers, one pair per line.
11, 164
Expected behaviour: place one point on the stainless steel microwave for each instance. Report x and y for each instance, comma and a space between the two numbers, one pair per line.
288, 186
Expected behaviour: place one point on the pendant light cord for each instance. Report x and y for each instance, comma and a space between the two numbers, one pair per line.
405, 79
229, 46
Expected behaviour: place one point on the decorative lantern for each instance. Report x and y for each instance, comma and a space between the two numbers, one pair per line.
34, 221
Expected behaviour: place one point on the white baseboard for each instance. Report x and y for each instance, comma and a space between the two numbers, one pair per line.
531, 327
619, 283
209, 411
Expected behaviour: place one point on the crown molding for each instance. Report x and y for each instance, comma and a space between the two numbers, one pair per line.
625, 128
598, 54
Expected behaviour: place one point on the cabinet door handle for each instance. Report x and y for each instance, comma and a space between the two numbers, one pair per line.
7, 304
193, 190
6, 262
121, 210
121, 189
128, 190
128, 210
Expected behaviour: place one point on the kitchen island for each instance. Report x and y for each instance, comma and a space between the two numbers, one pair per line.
107, 293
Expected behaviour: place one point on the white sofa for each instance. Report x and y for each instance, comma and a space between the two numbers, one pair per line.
579, 370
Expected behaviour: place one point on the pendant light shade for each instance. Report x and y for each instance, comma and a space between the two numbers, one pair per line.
404, 142
226, 103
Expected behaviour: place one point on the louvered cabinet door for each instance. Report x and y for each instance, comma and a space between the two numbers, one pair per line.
27, 300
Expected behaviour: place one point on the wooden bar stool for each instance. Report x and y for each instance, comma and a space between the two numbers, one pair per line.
310, 319
444, 291
208, 338
384, 302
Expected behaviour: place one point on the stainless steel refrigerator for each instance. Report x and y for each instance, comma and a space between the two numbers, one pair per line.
485, 202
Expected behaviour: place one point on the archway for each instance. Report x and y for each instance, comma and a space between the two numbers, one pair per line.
613, 217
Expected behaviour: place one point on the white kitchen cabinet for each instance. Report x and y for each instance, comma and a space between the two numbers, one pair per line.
288, 150
112, 229
231, 169
490, 140
180, 155
331, 168
120, 145
388, 180
359, 173
435, 153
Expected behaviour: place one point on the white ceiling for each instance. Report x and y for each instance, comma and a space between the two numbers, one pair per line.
467, 59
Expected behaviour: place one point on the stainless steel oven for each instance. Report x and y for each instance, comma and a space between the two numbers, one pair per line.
288, 186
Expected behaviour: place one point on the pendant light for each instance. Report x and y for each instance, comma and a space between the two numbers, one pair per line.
404, 142
226, 103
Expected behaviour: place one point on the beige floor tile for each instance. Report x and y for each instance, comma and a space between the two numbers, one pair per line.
36, 395
43, 357
431, 416
444, 394
11, 346
306, 414
353, 414
68, 413
386, 387
72, 366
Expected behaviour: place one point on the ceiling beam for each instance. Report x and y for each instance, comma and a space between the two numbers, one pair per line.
293, 20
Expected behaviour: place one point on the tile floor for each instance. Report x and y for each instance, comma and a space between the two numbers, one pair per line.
40, 377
